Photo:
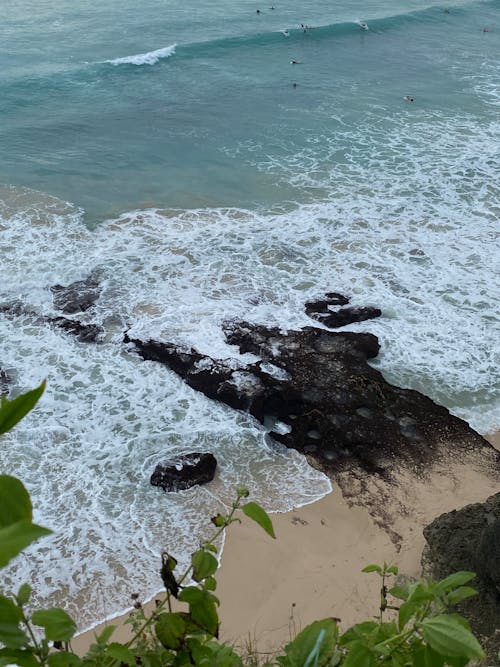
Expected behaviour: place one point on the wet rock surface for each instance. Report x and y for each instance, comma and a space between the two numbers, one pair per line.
321, 310
333, 405
184, 471
469, 539
77, 297
5, 381
85, 333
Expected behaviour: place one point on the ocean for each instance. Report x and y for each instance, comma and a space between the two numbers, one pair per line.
175, 151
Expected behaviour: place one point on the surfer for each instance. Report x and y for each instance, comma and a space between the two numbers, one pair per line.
363, 25
409, 98
295, 62
286, 33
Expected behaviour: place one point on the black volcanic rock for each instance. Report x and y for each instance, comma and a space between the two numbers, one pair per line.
344, 316
313, 308
76, 297
5, 381
469, 539
336, 407
184, 471
86, 333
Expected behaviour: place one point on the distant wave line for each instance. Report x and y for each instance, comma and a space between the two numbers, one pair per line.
148, 58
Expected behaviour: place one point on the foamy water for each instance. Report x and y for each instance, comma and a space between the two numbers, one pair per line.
206, 188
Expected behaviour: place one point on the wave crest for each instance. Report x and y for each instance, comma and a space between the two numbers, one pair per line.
149, 58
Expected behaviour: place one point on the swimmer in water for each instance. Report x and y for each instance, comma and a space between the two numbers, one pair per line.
295, 62
258, 11
486, 30
409, 98
446, 11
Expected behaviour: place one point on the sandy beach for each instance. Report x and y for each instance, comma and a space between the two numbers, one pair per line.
270, 589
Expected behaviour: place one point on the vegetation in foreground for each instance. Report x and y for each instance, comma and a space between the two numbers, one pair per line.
414, 626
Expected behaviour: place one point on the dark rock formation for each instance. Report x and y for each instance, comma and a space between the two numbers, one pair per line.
76, 297
327, 402
469, 539
320, 310
86, 333
183, 472
5, 381
488, 558
334, 405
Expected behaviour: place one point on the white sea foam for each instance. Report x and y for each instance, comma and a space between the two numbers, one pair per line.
149, 58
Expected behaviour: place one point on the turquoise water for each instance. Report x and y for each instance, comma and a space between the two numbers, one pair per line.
218, 122
164, 146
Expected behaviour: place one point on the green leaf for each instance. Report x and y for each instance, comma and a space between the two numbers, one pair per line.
425, 656
359, 655
218, 520
121, 653
223, 655
17, 537
210, 584
170, 630
18, 657
314, 646
13, 411
392, 570
9, 611
372, 568
359, 631
63, 659
202, 608
399, 592
260, 516
448, 636
15, 502
462, 593
210, 547
454, 580
204, 564
11, 635
105, 635
58, 626
23, 594
406, 611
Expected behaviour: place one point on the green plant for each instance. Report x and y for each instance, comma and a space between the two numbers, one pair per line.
412, 627
419, 633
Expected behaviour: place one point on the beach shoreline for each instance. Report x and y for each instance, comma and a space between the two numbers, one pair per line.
270, 589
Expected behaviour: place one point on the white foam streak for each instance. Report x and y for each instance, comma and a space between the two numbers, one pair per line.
149, 58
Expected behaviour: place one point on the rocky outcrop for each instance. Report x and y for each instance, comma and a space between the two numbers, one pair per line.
184, 471
331, 404
469, 539
327, 402
321, 310
77, 297
85, 333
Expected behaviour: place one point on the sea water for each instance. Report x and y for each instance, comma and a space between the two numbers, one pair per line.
174, 151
